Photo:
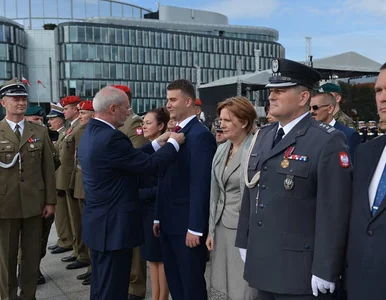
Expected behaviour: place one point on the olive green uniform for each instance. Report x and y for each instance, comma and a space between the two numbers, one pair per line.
133, 130
26, 187
344, 119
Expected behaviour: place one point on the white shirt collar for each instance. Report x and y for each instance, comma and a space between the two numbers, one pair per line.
13, 124
186, 121
103, 121
287, 128
60, 129
332, 123
73, 121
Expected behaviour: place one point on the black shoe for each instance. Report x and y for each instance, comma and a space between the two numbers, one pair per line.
58, 250
87, 281
70, 258
83, 276
41, 279
77, 265
134, 297
53, 247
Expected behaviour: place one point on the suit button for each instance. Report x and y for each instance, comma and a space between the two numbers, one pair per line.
265, 168
261, 205
306, 246
22, 180
370, 233
263, 186
259, 224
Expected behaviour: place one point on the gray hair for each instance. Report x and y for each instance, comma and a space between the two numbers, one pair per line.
107, 96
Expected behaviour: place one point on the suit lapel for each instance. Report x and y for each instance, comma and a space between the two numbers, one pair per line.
267, 142
27, 133
233, 165
219, 164
8, 133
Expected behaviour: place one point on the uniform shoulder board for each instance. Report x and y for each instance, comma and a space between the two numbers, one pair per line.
268, 126
324, 127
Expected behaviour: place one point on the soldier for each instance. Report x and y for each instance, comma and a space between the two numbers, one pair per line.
86, 112
80, 257
339, 115
295, 210
133, 130
34, 114
372, 131
27, 192
362, 130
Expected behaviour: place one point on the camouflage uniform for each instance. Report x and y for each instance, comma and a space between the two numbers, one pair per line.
344, 119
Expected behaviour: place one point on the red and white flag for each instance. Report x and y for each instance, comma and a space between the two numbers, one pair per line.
40, 82
25, 81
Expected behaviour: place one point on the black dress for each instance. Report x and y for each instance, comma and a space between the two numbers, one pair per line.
151, 250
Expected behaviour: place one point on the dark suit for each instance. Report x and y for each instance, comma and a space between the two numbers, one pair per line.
182, 204
111, 219
292, 233
352, 136
366, 258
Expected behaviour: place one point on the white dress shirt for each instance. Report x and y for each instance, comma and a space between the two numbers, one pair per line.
332, 123
376, 178
73, 121
107, 123
287, 128
13, 125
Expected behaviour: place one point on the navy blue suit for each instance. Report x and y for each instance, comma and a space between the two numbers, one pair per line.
182, 204
352, 137
111, 219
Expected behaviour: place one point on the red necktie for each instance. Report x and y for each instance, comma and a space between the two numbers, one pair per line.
177, 128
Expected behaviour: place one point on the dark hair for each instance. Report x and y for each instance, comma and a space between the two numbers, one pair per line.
383, 67
266, 107
185, 86
162, 116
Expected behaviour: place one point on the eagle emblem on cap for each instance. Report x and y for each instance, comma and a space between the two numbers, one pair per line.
275, 66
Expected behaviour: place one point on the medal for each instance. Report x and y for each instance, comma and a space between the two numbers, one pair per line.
32, 146
289, 182
284, 163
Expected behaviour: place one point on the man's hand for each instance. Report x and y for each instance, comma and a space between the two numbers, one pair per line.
179, 137
48, 211
162, 139
192, 240
209, 243
321, 285
156, 229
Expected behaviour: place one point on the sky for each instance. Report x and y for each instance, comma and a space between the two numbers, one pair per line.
335, 26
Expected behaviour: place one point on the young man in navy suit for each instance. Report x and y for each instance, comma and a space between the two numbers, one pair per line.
366, 258
111, 219
322, 109
182, 207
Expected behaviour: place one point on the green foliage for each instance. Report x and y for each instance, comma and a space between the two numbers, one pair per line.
49, 26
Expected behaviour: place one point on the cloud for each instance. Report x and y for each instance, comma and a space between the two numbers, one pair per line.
375, 7
243, 9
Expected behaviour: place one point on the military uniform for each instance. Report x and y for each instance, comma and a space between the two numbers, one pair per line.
362, 130
344, 119
295, 209
27, 185
372, 130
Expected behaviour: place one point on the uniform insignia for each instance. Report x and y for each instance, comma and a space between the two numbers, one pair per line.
275, 66
138, 131
31, 140
4, 142
8, 147
344, 161
289, 182
69, 131
331, 130
32, 146
9, 156
284, 163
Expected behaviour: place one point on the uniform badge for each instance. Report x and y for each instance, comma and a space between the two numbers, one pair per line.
275, 66
344, 161
32, 146
4, 142
289, 182
138, 131
8, 147
284, 163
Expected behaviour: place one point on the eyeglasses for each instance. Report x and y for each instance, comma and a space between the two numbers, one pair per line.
316, 107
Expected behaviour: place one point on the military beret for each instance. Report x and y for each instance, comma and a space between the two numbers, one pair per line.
85, 105
13, 87
56, 111
34, 111
330, 88
70, 100
123, 88
287, 73
198, 102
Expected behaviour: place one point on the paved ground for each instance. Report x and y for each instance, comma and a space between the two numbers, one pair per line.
61, 284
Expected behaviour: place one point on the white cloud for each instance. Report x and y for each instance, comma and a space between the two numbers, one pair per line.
243, 9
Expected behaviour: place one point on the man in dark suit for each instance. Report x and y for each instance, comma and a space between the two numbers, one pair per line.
366, 260
322, 110
295, 210
182, 207
111, 218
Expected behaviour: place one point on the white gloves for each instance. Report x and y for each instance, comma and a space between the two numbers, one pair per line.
321, 285
243, 254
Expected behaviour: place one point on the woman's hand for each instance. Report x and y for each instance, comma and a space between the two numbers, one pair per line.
209, 243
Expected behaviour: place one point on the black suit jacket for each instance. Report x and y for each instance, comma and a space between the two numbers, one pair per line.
366, 259
352, 136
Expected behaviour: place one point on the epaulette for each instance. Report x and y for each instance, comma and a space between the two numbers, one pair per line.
324, 127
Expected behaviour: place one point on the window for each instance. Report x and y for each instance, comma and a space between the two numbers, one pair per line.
74, 71
145, 38
138, 35
148, 56
89, 34
128, 54
84, 52
81, 34
97, 34
151, 39
134, 55
139, 72
89, 70
114, 53
133, 72
104, 35
73, 34
118, 36
105, 70
152, 76
98, 70
3, 52
141, 55
107, 52
100, 55
76, 52
125, 36
121, 54
119, 74
111, 39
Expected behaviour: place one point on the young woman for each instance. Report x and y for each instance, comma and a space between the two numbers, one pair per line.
154, 124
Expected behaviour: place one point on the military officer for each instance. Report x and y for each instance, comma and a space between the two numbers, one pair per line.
80, 257
86, 112
27, 192
35, 114
362, 130
133, 130
339, 115
372, 131
294, 214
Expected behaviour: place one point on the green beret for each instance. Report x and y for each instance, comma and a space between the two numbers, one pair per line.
330, 88
34, 111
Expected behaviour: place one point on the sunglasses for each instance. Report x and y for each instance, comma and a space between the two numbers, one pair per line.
316, 107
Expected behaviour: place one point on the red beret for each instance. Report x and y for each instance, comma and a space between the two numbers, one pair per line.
70, 100
85, 105
198, 102
123, 88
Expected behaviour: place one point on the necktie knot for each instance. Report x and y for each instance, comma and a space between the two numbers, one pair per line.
279, 136
177, 128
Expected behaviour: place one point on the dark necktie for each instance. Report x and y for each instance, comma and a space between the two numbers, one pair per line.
177, 128
17, 132
381, 193
279, 136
